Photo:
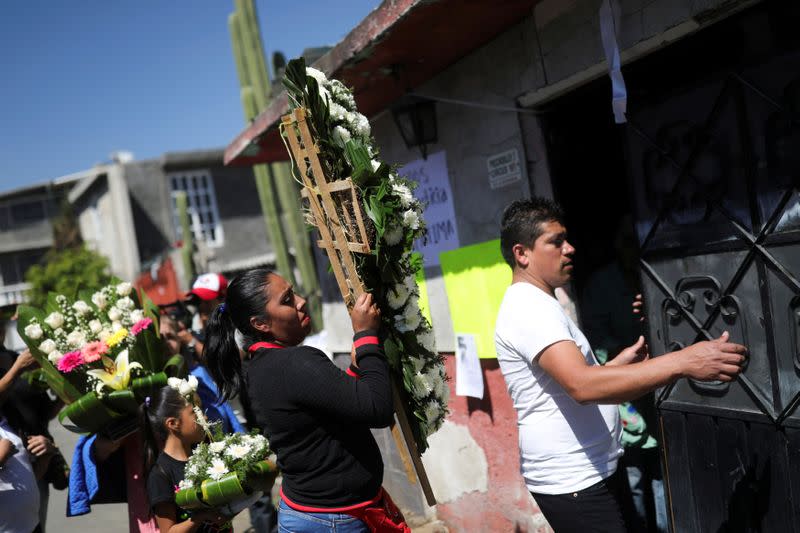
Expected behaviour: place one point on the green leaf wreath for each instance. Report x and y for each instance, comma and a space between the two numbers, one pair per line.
347, 149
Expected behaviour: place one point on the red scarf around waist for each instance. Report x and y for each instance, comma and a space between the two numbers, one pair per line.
380, 513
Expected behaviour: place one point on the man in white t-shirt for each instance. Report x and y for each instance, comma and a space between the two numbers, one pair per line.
569, 429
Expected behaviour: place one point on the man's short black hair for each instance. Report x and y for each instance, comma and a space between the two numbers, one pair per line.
522, 223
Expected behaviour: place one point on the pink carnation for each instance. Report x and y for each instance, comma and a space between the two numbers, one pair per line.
92, 351
70, 361
141, 325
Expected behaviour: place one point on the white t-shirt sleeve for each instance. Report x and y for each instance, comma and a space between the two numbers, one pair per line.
537, 327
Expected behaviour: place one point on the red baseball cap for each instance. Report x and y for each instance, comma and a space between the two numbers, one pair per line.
209, 286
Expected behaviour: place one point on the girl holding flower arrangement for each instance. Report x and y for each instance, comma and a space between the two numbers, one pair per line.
316, 417
171, 430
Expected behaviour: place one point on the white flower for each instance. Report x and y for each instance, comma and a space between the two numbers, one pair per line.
358, 124
125, 304
433, 411
185, 387
418, 363
114, 314
185, 484
411, 282
427, 340
412, 308
393, 235
95, 326
238, 451
375, 165
55, 356
407, 322
216, 447
76, 338
104, 334
341, 135
201, 418
81, 307
404, 193
337, 111
421, 385
397, 296
317, 75
55, 320
137, 315
99, 299
436, 380
34, 331
116, 326
124, 288
342, 94
47, 346
217, 469
411, 219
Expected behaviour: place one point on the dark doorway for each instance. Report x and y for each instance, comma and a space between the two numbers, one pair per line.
711, 155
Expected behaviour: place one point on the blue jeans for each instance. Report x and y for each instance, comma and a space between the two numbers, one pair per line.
291, 521
647, 487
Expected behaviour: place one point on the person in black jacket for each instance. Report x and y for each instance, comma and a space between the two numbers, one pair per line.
317, 418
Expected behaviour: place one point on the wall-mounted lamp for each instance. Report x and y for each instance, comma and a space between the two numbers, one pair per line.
415, 117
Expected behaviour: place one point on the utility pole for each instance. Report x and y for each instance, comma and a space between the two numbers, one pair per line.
187, 238
275, 184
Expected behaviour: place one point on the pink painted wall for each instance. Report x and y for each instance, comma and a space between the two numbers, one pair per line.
492, 422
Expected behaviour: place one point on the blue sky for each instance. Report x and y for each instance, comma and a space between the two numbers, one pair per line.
83, 78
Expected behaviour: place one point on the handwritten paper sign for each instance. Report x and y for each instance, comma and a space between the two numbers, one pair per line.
434, 192
469, 378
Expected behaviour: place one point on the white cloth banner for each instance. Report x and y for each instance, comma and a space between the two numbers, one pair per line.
433, 190
608, 34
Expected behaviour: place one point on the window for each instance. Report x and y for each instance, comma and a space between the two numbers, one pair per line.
14, 266
202, 206
26, 212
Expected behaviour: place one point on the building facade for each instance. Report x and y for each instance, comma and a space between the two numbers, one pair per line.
127, 212
702, 166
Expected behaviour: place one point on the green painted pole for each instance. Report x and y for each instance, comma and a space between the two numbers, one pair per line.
263, 177
187, 246
256, 91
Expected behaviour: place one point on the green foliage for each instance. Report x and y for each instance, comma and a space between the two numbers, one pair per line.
67, 272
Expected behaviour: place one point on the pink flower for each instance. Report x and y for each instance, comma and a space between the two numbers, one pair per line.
92, 351
70, 361
141, 325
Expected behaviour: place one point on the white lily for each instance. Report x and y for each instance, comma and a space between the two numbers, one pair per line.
118, 375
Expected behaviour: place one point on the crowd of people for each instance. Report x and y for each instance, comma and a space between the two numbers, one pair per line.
245, 340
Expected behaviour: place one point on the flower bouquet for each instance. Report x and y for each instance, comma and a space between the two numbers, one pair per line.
100, 354
346, 149
228, 474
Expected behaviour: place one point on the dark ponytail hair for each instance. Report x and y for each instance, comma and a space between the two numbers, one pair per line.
153, 413
246, 298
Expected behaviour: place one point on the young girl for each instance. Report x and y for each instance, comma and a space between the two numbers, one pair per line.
316, 417
170, 426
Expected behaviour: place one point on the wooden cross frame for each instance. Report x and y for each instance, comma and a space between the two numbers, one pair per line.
338, 217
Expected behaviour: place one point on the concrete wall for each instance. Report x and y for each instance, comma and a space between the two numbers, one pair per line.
106, 221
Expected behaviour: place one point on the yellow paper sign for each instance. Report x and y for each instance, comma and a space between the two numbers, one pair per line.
476, 278
424, 305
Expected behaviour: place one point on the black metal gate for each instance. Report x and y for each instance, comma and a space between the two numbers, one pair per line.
716, 172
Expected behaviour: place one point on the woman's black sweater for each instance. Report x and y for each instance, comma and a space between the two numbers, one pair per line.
317, 419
